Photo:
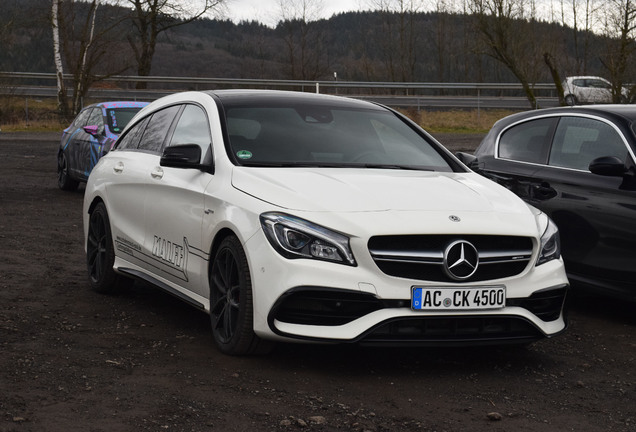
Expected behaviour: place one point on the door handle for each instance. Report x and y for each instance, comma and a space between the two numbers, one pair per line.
157, 173
119, 167
543, 191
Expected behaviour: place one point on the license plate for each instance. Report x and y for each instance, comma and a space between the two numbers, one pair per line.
450, 299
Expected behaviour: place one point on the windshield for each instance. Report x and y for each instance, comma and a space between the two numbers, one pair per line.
334, 136
118, 118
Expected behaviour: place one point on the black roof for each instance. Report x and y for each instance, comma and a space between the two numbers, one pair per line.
621, 113
276, 97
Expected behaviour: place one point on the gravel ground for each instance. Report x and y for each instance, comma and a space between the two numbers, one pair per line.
74, 360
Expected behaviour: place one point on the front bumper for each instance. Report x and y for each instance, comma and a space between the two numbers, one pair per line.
325, 302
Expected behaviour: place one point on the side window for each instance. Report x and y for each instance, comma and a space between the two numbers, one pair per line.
96, 118
192, 128
527, 142
81, 118
157, 129
130, 141
578, 141
597, 83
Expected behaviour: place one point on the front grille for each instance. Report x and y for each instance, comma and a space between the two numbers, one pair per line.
421, 257
453, 330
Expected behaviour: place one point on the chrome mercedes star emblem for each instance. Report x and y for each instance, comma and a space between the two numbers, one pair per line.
461, 260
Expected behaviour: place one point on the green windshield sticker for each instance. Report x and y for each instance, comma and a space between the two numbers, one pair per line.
244, 154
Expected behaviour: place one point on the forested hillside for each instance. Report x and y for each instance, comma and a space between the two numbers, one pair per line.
374, 46
490, 41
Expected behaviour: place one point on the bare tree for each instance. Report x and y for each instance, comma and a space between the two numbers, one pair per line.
81, 73
619, 25
306, 52
398, 37
150, 18
82, 46
506, 27
581, 16
62, 103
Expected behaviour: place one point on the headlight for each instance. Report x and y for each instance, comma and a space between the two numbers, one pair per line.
550, 243
293, 237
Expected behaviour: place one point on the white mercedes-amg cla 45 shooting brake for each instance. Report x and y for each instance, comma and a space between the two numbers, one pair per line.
302, 217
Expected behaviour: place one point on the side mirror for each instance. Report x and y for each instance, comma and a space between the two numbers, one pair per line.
467, 159
610, 166
91, 130
181, 156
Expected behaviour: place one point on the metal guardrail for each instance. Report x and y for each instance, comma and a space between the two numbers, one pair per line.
286, 83
416, 95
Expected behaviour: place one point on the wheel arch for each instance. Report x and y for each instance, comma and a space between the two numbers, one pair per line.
94, 203
216, 242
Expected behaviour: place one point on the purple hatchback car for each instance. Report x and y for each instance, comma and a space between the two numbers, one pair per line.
89, 137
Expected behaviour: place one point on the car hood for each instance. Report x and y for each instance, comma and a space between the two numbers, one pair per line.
373, 190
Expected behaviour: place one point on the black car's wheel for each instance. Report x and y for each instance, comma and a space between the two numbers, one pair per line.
64, 180
570, 100
231, 308
100, 252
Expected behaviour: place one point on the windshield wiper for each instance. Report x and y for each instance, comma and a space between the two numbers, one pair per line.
332, 165
398, 167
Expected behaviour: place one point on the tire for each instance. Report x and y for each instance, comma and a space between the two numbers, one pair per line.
231, 308
100, 253
64, 180
570, 100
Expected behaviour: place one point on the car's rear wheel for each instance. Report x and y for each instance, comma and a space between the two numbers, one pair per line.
231, 307
570, 100
100, 252
64, 180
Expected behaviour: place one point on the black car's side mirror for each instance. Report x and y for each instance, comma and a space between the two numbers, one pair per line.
610, 166
183, 156
467, 159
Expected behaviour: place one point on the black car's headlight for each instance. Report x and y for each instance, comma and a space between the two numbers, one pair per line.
550, 243
293, 237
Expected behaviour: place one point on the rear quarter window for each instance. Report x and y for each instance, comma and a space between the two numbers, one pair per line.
527, 142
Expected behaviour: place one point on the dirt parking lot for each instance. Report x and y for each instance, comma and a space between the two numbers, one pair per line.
74, 360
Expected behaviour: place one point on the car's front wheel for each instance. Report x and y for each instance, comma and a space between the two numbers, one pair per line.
64, 180
231, 307
570, 100
100, 252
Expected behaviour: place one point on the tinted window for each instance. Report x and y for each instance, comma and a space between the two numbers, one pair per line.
130, 141
118, 118
192, 128
527, 142
157, 129
579, 140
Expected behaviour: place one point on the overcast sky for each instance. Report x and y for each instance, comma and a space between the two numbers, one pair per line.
268, 11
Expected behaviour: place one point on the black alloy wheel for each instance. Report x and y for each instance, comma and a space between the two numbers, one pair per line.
100, 252
64, 181
231, 309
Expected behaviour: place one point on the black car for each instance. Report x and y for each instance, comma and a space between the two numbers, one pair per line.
576, 164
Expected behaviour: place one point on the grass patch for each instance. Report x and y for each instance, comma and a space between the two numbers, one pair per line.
458, 121
35, 115
19, 114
